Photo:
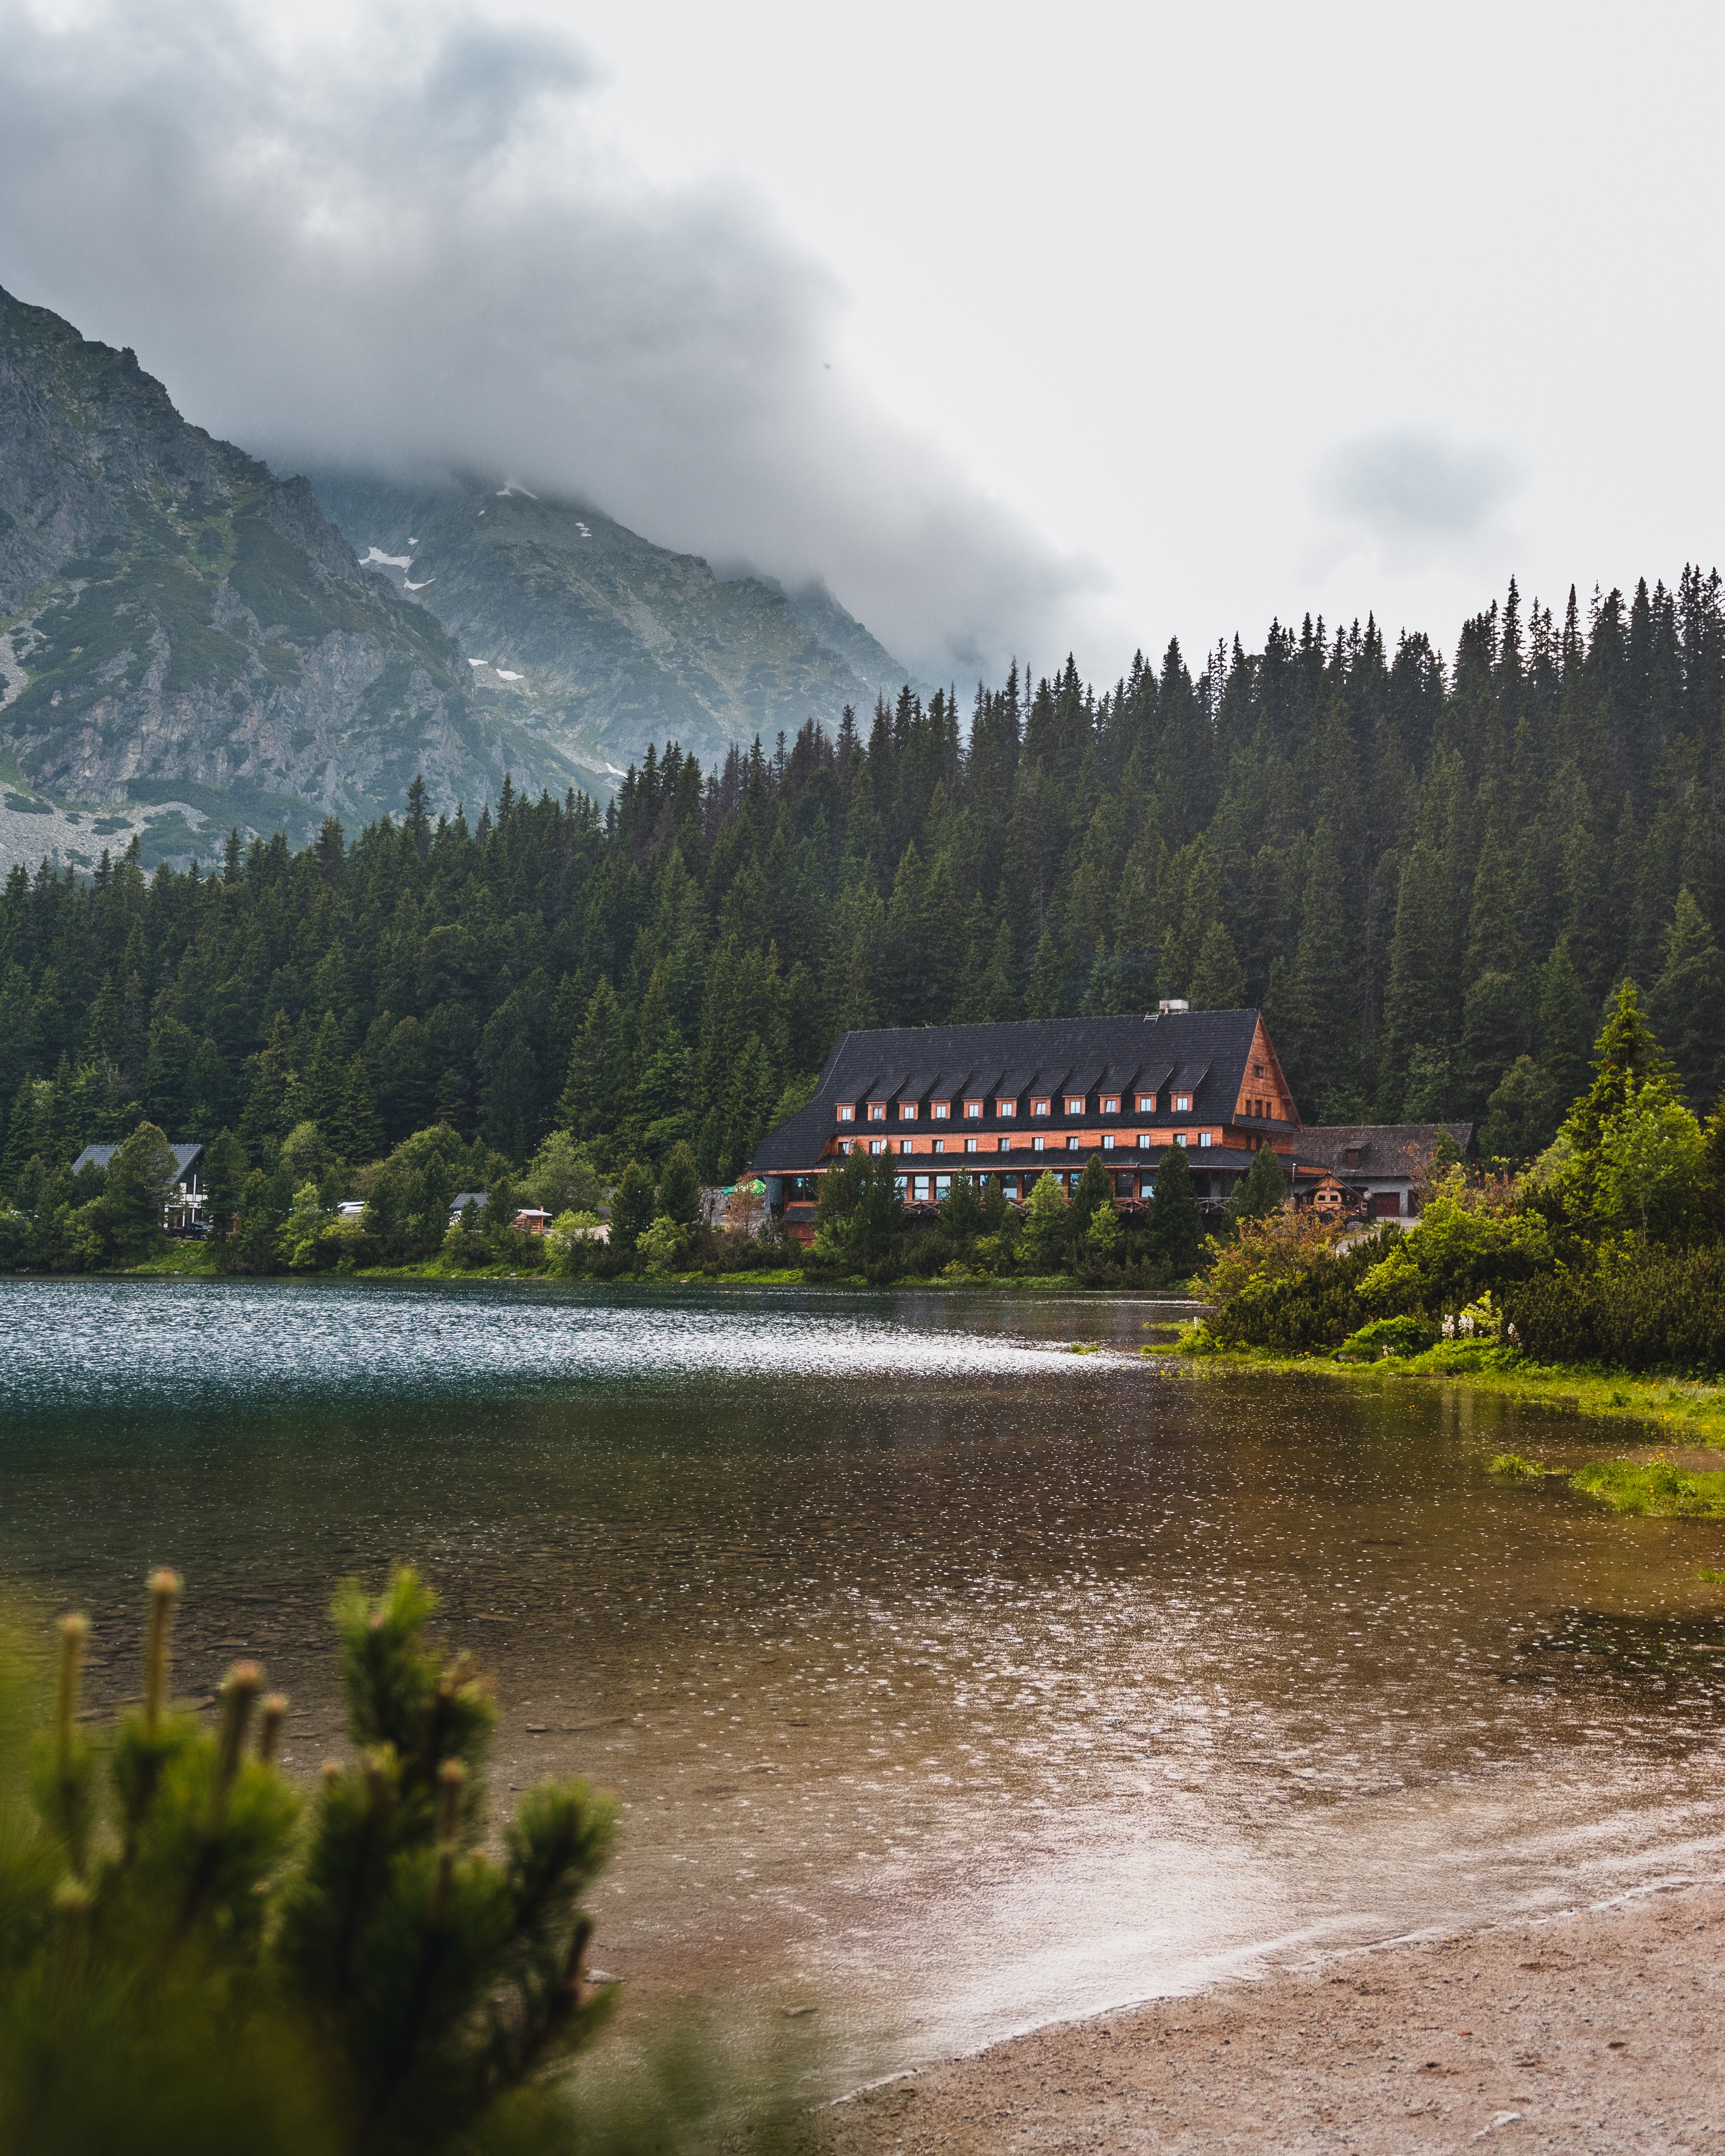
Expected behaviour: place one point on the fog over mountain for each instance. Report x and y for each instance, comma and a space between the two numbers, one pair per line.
391, 244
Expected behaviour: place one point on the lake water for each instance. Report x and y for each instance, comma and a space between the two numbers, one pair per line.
952, 1682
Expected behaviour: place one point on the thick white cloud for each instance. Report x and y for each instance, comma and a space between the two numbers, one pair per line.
396, 243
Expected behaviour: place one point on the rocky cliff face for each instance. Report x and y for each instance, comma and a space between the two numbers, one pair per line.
597, 641
170, 611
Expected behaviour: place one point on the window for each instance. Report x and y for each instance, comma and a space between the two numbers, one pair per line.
1075, 1104
1040, 1107
941, 1110
900, 1184
1003, 1145
1038, 1142
940, 1145
1182, 1137
943, 1184
970, 1145
877, 1145
907, 1111
845, 1145
920, 1188
1111, 1104
905, 1145
1072, 1142
877, 1111
847, 1115
1146, 1104
1257, 1070
1107, 1142
1145, 1141
1183, 1104
973, 1107
1009, 1188
1006, 1108
1204, 1137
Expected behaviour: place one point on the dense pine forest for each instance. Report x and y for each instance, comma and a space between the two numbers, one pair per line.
1430, 875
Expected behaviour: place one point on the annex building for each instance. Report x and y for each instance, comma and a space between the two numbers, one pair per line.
1014, 1103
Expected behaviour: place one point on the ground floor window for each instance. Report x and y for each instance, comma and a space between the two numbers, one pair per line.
922, 1187
1009, 1188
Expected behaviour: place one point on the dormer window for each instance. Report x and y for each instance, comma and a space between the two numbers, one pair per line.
1146, 1104
1040, 1107
973, 1109
1006, 1107
877, 1111
1111, 1104
1075, 1104
907, 1111
1183, 1104
941, 1110
847, 1112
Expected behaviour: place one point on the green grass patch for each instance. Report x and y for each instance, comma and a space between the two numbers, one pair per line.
1514, 1467
1658, 1491
179, 1260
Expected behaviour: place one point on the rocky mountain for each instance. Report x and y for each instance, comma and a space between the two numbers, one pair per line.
179, 626
596, 641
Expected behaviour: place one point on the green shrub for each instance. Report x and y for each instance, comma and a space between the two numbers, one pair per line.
1390, 1335
1640, 1308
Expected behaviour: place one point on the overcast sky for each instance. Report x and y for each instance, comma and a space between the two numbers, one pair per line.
1028, 328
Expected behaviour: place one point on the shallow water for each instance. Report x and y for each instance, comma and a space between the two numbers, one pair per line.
951, 1681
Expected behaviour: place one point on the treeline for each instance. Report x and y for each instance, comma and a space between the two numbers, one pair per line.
1428, 875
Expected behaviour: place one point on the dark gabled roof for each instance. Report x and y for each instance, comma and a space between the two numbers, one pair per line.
1383, 1148
920, 1087
1083, 1078
1218, 1042
1011, 1084
186, 1157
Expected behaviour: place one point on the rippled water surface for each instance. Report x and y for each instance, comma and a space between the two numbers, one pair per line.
952, 1681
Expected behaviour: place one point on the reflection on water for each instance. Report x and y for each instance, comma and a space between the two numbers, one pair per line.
958, 1679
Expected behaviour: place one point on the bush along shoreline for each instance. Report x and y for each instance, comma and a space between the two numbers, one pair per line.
1600, 1263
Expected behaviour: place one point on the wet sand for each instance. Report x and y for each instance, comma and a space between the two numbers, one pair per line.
1598, 2030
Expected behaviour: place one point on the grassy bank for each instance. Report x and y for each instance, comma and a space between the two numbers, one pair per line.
1690, 1411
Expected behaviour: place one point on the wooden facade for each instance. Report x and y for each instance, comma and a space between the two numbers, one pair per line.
1013, 1102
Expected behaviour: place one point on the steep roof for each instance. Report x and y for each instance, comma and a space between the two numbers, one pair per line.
1383, 1148
1212, 1046
185, 1157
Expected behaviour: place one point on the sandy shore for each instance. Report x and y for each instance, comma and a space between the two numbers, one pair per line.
1600, 2030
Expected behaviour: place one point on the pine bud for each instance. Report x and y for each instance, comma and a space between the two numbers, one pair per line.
275, 1713
238, 1695
164, 1588
75, 1632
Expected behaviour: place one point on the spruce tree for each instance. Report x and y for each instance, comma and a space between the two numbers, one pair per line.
679, 1187
1218, 983
1565, 1027
1262, 1190
1096, 1189
631, 1207
1687, 1004
1176, 1218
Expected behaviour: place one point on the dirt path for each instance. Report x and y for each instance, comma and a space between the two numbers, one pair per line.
1602, 2030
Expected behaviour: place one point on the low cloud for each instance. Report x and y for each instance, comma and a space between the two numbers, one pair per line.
394, 245
1416, 489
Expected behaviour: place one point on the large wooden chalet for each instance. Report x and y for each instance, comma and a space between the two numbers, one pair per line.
1014, 1103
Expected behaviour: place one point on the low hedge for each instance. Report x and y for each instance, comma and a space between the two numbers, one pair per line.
1640, 1310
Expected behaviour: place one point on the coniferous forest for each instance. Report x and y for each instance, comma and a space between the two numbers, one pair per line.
1431, 874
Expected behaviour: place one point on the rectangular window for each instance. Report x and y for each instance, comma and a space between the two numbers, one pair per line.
1111, 1105
1182, 1137
877, 1111
847, 1115
1183, 1104
1004, 1108
1146, 1104
922, 1187
906, 1146
845, 1144
941, 1110
1257, 1070
907, 1111
1204, 1137
972, 1108
1145, 1141
1003, 1145
1108, 1142
1009, 1187
1072, 1144
1039, 1107
940, 1145
1075, 1104
900, 1184
943, 1184
1146, 1189
877, 1145
971, 1144
1038, 1142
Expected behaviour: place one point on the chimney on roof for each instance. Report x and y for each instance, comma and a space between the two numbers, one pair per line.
1172, 1004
